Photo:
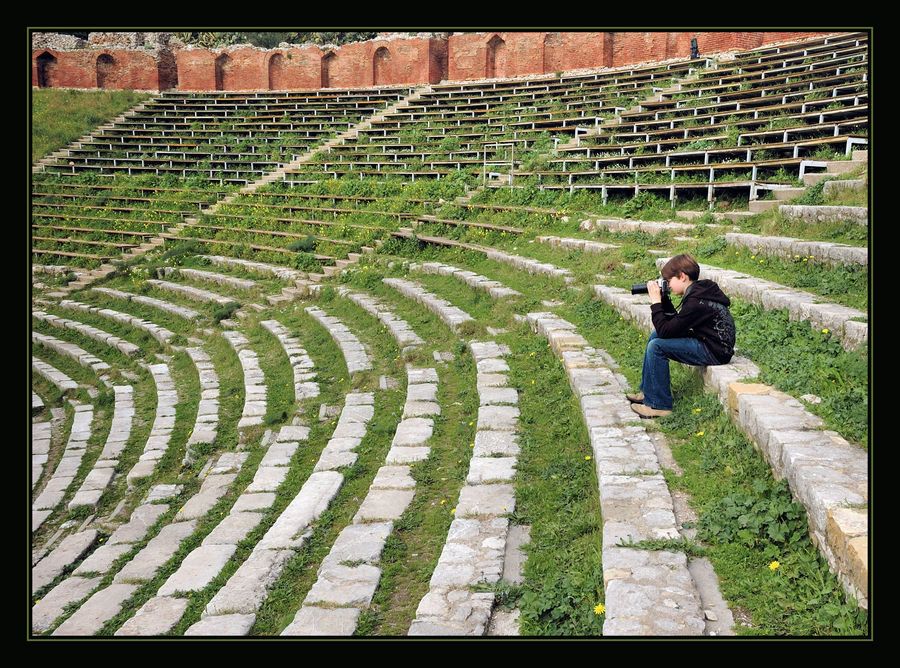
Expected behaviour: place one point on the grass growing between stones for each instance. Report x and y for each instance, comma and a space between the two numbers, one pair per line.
747, 521
557, 495
801, 361
412, 550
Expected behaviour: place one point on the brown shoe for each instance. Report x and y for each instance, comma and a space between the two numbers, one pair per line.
647, 412
635, 398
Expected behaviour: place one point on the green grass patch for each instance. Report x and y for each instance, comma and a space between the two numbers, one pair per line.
59, 117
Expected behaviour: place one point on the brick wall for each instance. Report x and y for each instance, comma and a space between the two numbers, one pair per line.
386, 60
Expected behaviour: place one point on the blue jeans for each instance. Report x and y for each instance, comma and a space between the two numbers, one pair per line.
655, 383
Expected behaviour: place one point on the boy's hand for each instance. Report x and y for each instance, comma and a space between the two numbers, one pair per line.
654, 292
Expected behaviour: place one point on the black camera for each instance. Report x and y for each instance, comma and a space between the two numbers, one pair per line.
641, 288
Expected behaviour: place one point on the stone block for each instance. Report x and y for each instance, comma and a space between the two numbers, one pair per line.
47, 610
198, 569
316, 621
96, 611
475, 500
223, 625
384, 504
233, 528
246, 589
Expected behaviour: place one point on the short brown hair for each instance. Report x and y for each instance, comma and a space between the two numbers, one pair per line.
681, 263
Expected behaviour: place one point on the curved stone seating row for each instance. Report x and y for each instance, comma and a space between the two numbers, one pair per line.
94, 333
474, 551
818, 214
37, 404
52, 565
232, 611
300, 361
66, 468
451, 316
285, 273
211, 277
162, 305
163, 423
189, 291
162, 612
575, 244
107, 602
255, 390
825, 472
41, 433
104, 470
207, 423
159, 333
73, 351
528, 264
54, 375
494, 288
349, 575
401, 331
821, 251
334, 603
800, 305
648, 592
354, 352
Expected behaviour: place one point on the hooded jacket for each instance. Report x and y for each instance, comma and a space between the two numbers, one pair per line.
703, 315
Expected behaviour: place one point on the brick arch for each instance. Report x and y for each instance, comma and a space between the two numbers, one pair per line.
105, 69
381, 66
495, 67
45, 66
223, 71
328, 61
277, 68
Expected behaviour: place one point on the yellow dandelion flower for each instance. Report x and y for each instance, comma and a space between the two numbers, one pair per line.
599, 609
774, 565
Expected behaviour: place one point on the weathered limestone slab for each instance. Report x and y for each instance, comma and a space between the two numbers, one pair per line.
157, 552
212, 489
289, 529
143, 517
233, 528
488, 443
102, 558
502, 418
156, 617
413, 431
476, 500
245, 591
96, 611
261, 501
393, 477
344, 585
69, 550
47, 610
383, 504
453, 612
223, 625
198, 569
649, 593
491, 469
316, 621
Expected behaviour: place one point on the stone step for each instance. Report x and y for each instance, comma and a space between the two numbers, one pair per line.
825, 472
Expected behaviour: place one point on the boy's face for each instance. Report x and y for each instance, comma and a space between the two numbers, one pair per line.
679, 283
